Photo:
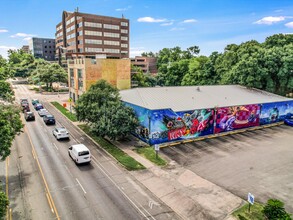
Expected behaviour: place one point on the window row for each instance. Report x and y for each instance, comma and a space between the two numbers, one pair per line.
59, 34
92, 24
91, 41
70, 28
59, 28
70, 36
107, 50
111, 26
124, 24
70, 21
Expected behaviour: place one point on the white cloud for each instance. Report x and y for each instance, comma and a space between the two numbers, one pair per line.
3, 30
136, 51
289, 25
177, 29
189, 21
167, 24
22, 35
270, 20
123, 9
27, 38
150, 20
4, 49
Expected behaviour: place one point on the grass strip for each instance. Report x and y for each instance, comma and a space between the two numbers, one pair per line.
128, 162
65, 111
150, 154
254, 214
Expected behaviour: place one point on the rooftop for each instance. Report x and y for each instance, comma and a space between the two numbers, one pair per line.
183, 98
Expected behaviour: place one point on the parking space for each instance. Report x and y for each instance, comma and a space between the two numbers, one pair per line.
259, 162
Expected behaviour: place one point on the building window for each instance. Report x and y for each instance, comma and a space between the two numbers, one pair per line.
79, 25
115, 35
79, 33
80, 50
124, 45
124, 24
91, 41
89, 49
71, 72
108, 50
124, 38
124, 51
92, 24
111, 26
124, 31
93, 33
80, 79
79, 42
110, 42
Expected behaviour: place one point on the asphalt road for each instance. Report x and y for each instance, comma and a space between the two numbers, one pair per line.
259, 162
100, 190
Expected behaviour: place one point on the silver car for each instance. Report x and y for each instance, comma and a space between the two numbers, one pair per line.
60, 133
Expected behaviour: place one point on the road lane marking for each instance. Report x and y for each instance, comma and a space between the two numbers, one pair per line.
43, 177
68, 171
80, 186
55, 146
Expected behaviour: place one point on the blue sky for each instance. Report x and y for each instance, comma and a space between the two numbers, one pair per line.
155, 24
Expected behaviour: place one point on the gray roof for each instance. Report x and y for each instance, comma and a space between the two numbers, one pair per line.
183, 98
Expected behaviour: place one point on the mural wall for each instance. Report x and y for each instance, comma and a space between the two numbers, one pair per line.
167, 125
275, 112
236, 117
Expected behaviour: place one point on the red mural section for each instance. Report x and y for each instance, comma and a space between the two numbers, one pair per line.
236, 117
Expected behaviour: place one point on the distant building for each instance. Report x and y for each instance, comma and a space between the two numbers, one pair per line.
81, 35
147, 64
43, 48
82, 73
26, 48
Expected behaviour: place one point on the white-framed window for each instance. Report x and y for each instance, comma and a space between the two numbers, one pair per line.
114, 35
109, 50
124, 51
124, 31
92, 24
110, 42
124, 38
90, 49
124, 24
93, 33
91, 41
124, 45
79, 24
111, 26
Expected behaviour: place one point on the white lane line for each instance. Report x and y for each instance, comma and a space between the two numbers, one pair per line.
80, 186
107, 159
68, 171
100, 166
55, 146
82, 138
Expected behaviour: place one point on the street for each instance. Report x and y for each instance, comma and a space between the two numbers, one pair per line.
52, 186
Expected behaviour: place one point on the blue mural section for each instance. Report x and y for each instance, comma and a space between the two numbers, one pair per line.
167, 125
275, 112
144, 117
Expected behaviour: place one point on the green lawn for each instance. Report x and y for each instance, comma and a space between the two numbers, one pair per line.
65, 111
128, 162
150, 154
254, 214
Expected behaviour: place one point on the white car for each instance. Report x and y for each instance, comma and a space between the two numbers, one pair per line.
60, 133
43, 112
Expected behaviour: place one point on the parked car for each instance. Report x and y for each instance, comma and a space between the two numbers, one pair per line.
35, 101
38, 106
42, 112
29, 116
23, 100
25, 107
79, 153
49, 119
60, 133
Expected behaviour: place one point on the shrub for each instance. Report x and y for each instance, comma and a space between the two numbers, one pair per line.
274, 210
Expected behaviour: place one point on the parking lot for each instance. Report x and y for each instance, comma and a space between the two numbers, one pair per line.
259, 162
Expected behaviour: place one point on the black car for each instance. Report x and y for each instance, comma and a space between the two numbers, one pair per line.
29, 116
49, 119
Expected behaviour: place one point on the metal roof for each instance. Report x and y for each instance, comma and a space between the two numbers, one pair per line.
183, 98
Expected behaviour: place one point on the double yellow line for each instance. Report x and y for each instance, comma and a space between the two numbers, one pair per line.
48, 194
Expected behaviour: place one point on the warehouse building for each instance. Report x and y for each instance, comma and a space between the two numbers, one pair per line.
169, 114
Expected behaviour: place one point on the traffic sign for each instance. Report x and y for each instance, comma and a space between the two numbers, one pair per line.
157, 148
250, 198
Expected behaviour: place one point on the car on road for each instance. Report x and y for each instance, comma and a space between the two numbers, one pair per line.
42, 112
38, 106
79, 153
60, 133
49, 119
29, 116
25, 107
35, 101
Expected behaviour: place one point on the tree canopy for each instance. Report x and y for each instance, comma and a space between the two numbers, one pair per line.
102, 109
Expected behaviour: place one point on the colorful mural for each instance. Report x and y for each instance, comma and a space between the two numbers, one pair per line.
236, 117
275, 112
167, 125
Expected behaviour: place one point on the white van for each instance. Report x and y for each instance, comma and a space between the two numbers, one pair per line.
79, 153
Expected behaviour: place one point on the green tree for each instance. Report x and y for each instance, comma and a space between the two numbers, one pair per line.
148, 54
18, 62
274, 210
6, 93
4, 202
10, 126
102, 109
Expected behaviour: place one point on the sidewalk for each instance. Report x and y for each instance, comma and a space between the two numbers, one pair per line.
189, 195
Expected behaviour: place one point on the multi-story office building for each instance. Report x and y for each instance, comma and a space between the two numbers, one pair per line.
26, 48
43, 48
87, 35
82, 73
147, 64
